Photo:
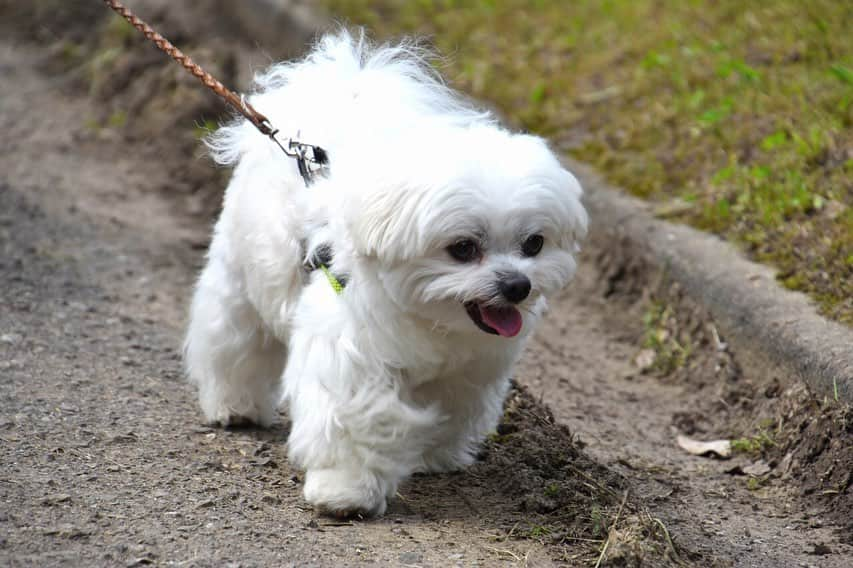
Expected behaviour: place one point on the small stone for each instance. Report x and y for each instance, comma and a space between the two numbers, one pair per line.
270, 499
411, 558
55, 499
820, 549
10, 338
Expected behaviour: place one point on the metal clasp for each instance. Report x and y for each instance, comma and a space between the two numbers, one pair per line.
310, 159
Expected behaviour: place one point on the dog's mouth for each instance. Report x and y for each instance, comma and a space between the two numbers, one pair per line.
505, 321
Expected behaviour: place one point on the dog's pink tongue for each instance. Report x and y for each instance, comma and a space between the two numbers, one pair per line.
506, 321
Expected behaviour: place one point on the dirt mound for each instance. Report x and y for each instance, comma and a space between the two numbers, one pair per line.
813, 452
554, 479
564, 496
533, 481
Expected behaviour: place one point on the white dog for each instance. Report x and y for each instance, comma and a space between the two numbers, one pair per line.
447, 233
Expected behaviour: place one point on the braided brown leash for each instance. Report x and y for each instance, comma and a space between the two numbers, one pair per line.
292, 148
261, 122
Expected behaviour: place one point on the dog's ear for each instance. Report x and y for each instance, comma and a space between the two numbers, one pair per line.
546, 167
386, 223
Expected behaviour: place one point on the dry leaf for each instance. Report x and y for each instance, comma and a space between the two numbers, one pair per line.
645, 359
718, 448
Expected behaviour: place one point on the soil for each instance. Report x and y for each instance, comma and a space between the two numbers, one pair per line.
103, 225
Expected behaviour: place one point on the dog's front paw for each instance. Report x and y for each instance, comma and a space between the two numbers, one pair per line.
237, 415
236, 422
346, 493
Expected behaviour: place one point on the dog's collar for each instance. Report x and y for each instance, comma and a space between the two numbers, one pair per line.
321, 259
337, 283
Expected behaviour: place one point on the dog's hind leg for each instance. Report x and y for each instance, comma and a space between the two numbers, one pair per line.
230, 354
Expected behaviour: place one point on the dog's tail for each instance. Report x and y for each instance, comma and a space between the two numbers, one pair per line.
334, 95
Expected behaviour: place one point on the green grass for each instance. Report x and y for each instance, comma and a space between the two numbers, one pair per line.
661, 333
539, 531
117, 119
743, 111
599, 524
756, 483
754, 445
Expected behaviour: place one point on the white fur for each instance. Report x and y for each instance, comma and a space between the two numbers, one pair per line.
392, 376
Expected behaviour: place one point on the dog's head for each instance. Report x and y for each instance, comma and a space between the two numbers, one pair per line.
469, 227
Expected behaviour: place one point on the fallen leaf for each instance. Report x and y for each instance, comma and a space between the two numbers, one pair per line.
645, 359
718, 448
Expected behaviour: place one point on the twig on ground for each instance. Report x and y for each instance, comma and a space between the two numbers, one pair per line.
511, 531
591, 479
503, 551
668, 539
610, 531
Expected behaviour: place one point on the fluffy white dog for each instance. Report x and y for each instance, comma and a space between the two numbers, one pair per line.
448, 233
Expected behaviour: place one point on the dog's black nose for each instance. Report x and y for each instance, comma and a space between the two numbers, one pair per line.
514, 287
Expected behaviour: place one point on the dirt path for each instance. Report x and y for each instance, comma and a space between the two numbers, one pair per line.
106, 462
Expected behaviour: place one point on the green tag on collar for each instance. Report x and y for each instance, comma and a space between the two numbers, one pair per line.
333, 281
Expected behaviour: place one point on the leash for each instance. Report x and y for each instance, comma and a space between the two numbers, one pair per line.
310, 159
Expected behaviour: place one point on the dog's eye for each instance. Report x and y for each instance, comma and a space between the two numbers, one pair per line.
532, 245
464, 251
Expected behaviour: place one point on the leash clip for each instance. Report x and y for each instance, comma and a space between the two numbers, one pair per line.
310, 159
